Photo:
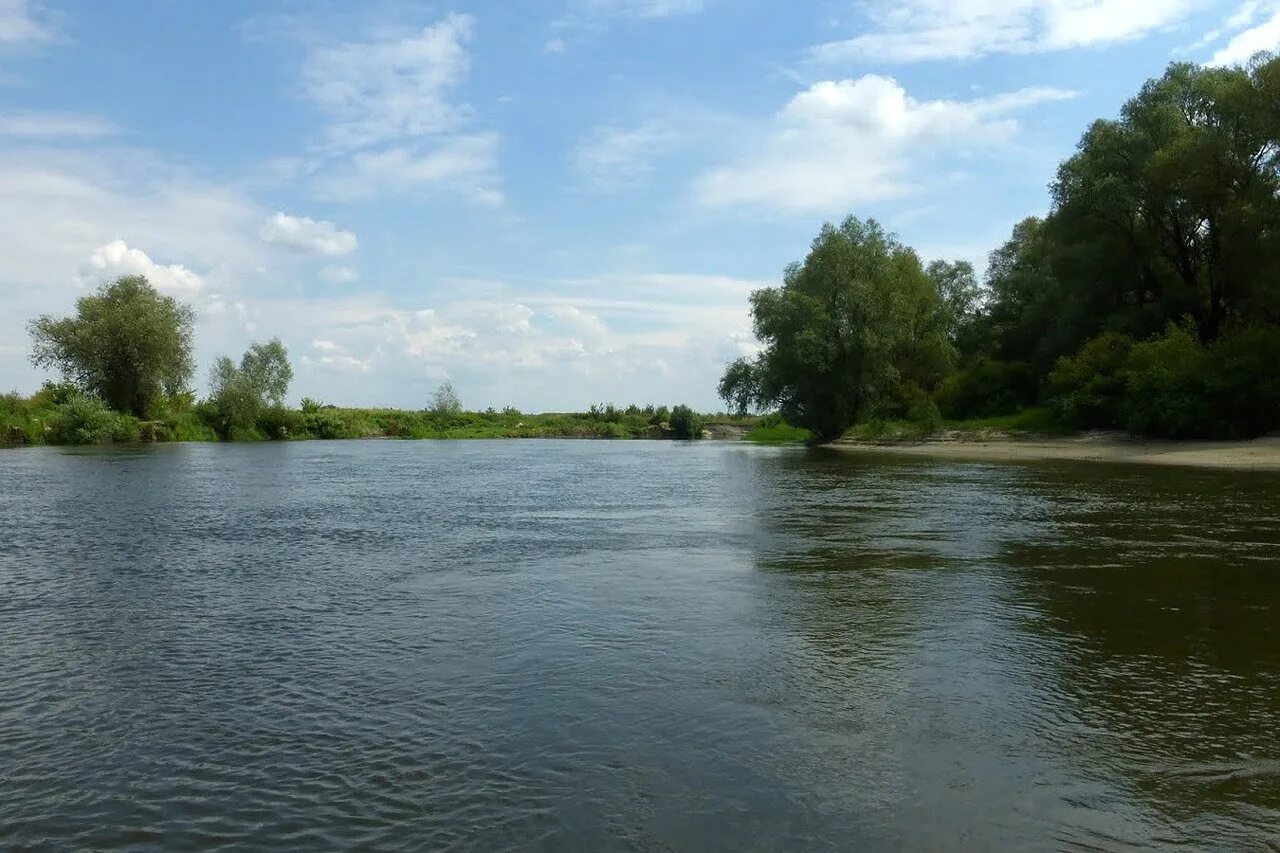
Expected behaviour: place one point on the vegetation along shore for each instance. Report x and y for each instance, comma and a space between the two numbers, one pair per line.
1146, 301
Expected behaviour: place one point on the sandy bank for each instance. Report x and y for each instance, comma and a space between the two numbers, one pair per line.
1261, 454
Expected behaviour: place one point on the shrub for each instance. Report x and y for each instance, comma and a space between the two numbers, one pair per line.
84, 420
685, 422
1243, 382
278, 423
1088, 388
985, 387
1165, 391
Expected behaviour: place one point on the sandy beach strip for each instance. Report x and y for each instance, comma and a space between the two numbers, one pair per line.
1262, 454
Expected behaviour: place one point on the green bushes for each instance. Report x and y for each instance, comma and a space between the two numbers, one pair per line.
1087, 388
986, 387
685, 422
87, 420
1173, 386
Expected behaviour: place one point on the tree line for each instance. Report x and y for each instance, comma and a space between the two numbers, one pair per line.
126, 362
1147, 299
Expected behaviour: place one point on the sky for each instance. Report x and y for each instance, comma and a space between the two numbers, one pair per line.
549, 203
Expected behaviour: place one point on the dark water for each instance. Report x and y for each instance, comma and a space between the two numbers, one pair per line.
565, 645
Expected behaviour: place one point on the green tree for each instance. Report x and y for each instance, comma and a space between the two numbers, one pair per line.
852, 329
127, 345
961, 297
1173, 210
445, 400
240, 394
685, 422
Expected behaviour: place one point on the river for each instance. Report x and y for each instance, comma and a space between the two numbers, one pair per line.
636, 645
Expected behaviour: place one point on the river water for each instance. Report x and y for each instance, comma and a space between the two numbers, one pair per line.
636, 645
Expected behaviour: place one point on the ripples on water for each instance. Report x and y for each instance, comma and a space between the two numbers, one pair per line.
638, 645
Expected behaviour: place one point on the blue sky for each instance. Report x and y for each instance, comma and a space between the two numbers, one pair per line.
549, 203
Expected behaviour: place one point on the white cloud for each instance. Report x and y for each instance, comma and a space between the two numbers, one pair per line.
340, 275
392, 88
844, 142
1249, 37
642, 8
308, 235
116, 259
17, 26
396, 126
460, 165
334, 355
612, 158
31, 125
918, 30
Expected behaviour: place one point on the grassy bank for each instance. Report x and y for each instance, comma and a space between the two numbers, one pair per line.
57, 415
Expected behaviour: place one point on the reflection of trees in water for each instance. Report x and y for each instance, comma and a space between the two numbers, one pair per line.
1165, 587
1095, 647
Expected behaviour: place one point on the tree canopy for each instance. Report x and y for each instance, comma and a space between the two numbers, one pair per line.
127, 345
858, 325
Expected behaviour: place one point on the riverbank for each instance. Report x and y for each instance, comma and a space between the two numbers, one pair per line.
1261, 454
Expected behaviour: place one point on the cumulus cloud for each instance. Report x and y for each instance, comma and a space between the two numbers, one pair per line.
116, 259
307, 235
919, 30
32, 125
844, 142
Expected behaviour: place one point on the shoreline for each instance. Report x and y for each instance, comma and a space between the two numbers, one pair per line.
1258, 454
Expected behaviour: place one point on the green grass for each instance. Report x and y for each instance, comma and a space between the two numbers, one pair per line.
1033, 421
781, 433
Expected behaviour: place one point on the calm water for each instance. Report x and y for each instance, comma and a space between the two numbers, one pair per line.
568, 645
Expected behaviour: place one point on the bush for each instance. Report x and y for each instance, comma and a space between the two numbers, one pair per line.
1243, 382
278, 423
685, 422
1165, 392
86, 420
985, 387
1088, 388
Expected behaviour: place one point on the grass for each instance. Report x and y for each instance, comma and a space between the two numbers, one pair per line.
782, 433
1032, 421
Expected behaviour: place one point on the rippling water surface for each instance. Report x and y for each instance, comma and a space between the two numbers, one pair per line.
632, 645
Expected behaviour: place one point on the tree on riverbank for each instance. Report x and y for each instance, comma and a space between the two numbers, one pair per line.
239, 395
127, 345
858, 327
1147, 299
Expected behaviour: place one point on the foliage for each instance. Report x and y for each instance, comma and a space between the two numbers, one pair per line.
1164, 392
852, 324
773, 429
685, 422
126, 345
1087, 388
1172, 210
985, 387
87, 420
445, 400
241, 395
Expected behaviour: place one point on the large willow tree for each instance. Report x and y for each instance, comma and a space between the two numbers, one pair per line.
127, 345
1173, 210
857, 326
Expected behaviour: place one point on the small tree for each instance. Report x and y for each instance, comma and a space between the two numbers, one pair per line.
240, 394
126, 345
445, 400
685, 422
